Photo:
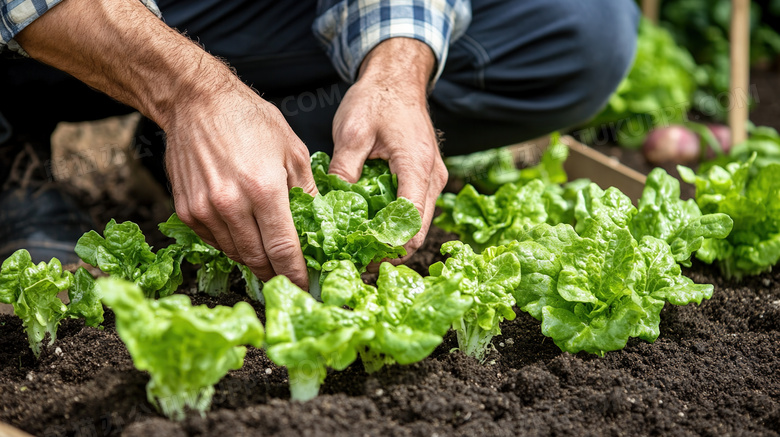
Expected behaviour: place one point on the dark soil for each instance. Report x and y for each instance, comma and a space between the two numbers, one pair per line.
715, 370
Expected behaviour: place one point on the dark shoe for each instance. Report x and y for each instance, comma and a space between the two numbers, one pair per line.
45, 221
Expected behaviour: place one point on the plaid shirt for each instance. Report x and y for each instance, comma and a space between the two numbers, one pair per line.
349, 29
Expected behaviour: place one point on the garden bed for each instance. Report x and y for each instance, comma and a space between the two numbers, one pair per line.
714, 370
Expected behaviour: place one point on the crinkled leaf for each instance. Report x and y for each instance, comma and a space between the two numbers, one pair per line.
662, 214
186, 349
84, 301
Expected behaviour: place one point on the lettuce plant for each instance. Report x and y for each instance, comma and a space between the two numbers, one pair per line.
490, 169
401, 320
362, 222
32, 290
662, 214
492, 220
377, 185
751, 197
186, 349
490, 278
415, 314
123, 252
215, 267
595, 287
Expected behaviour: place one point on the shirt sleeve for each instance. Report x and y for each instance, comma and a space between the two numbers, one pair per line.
15, 15
349, 29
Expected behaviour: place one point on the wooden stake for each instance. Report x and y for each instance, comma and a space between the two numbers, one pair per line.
740, 70
650, 9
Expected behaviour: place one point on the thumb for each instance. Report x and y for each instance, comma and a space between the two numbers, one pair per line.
349, 155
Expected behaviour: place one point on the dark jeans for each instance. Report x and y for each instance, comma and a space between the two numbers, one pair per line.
523, 69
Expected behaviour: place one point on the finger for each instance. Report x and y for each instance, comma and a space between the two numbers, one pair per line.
246, 238
195, 216
349, 155
279, 237
436, 182
301, 175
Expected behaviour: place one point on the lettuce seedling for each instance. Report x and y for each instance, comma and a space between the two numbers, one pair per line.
415, 314
215, 267
124, 253
362, 222
662, 214
186, 349
338, 226
750, 195
483, 221
377, 185
490, 169
308, 336
489, 278
596, 287
32, 290
402, 320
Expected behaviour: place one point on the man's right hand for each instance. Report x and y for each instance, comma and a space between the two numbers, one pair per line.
231, 156
231, 163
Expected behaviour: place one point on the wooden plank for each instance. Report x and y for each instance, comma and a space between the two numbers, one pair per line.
9, 431
651, 9
740, 69
585, 162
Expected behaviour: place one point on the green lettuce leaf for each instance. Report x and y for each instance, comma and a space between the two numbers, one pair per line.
84, 300
337, 226
490, 279
662, 214
377, 185
186, 349
215, 267
124, 253
415, 315
595, 288
751, 197
32, 290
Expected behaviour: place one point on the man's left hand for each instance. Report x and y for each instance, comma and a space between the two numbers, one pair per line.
385, 115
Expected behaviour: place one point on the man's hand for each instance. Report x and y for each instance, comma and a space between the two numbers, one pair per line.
385, 115
231, 164
231, 156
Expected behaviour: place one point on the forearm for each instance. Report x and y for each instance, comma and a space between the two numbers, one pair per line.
123, 50
402, 65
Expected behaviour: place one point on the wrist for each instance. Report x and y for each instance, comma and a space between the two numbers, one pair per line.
403, 63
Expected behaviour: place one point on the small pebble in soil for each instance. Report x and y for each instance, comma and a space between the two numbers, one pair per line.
767, 282
501, 344
58, 352
379, 392
30, 376
510, 341
268, 371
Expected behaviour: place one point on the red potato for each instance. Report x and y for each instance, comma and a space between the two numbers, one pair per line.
672, 144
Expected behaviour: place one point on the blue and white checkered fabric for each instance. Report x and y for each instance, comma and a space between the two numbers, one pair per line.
15, 15
349, 29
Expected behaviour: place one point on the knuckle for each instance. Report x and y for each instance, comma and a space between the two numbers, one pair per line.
257, 260
224, 199
282, 249
199, 211
354, 132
